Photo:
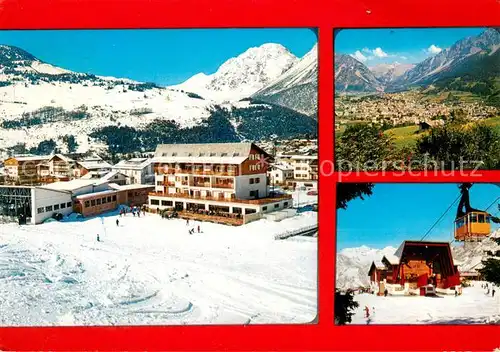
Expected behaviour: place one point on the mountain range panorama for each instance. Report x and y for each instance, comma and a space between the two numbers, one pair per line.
264, 92
472, 59
39, 100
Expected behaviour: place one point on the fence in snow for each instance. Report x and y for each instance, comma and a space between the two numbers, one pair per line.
304, 231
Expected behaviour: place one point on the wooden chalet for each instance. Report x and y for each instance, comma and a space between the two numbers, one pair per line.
417, 267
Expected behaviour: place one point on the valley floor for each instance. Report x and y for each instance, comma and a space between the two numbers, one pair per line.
472, 307
149, 270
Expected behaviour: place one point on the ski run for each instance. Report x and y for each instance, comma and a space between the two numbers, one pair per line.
150, 270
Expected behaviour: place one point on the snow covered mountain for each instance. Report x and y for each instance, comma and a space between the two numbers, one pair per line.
472, 254
41, 102
387, 73
353, 264
453, 61
297, 88
353, 76
241, 76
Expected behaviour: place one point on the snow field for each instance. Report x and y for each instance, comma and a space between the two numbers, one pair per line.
149, 270
472, 307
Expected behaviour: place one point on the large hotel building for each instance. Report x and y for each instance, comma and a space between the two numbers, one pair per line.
227, 178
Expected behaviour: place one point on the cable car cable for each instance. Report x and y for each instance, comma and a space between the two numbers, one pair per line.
492, 204
440, 218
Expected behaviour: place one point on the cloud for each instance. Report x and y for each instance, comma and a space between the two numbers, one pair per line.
359, 56
378, 52
433, 50
403, 58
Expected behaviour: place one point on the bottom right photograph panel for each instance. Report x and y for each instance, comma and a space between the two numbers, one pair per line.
418, 253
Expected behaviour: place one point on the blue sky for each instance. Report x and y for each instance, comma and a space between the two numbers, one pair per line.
167, 56
398, 212
375, 46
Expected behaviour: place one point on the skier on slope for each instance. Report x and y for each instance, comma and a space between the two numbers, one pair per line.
117, 222
493, 292
98, 239
367, 312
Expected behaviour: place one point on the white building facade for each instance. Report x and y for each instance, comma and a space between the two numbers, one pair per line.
140, 170
223, 177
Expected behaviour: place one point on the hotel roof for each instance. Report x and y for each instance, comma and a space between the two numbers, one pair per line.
222, 153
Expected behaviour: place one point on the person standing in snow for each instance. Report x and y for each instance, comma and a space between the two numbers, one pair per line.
199, 229
367, 312
117, 222
187, 222
492, 292
385, 292
98, 240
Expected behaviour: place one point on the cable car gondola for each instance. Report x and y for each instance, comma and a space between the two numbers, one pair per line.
471, 224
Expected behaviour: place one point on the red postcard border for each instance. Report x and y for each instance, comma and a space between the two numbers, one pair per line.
325, 15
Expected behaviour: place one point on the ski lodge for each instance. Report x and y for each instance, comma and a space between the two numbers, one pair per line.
416, 268
36, 204
219, 182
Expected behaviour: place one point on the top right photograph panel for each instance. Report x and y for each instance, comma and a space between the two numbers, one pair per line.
417, 99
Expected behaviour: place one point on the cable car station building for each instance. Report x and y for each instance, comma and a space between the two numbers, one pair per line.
416, 268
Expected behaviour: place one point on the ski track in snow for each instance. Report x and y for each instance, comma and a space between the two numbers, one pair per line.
151, 271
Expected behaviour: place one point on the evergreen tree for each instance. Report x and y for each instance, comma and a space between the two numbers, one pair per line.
491, 267
447, 146
344, 302
344, 307
363, 147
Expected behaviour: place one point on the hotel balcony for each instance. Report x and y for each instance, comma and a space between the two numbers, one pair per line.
189, 171
259, 201
223, 185
200, 184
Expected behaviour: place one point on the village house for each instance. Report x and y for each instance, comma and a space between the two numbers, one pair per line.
24, 170
60, 166
140, 170
416, 268
224, 181
80, 168
279, 174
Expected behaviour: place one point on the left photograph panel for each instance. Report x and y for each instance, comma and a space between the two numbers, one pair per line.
158, 177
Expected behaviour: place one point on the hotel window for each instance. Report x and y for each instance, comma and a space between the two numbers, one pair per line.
98, 202
92, 202
223, 154
155, 202
276, 205
114, 198
257, 180
264, 208
40, 210
109, 199
87, 204
63, 205
253, 193
56, 207
49, 208
69, 205
251, 181
104, 200
285, 204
